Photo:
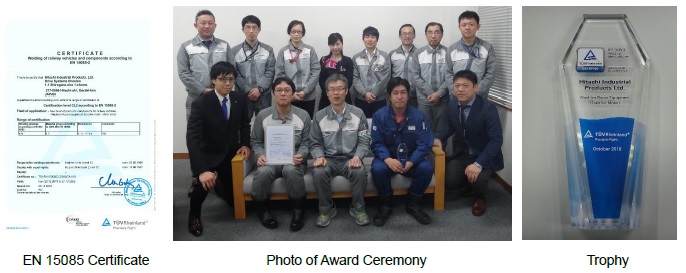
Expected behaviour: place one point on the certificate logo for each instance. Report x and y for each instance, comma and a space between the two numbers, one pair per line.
73, 220
126, 224
590, 59
138, 192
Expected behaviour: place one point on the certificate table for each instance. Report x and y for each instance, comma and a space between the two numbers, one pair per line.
79, 129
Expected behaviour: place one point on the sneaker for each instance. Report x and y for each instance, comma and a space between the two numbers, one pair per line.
361, 218
324, 219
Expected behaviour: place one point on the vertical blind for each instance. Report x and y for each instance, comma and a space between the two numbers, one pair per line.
496, 28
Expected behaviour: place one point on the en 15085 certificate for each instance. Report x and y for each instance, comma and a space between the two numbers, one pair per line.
78, 131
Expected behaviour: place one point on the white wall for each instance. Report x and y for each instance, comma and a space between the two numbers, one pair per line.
546, 34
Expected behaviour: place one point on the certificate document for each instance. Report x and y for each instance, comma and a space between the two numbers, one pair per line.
80, 139
279, 144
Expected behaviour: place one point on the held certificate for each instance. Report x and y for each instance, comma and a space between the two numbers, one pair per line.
279, 144
79, 133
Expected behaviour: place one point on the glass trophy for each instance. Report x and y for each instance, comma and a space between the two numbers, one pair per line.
402, 153
604, 77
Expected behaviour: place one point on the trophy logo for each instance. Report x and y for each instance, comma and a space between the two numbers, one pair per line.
590, 60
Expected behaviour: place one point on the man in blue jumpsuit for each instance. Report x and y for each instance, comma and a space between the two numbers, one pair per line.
400, 129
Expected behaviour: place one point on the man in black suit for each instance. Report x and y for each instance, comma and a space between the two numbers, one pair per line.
218, 129
477, 139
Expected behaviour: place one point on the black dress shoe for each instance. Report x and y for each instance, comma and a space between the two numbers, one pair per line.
194, 226
298, 220
266, 219
479, 206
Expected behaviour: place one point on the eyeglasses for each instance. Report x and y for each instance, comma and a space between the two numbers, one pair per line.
430, 33
336, 90
407, 34
224, 79
283, 91
296, 32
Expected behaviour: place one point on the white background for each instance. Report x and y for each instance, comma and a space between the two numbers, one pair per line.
166, 255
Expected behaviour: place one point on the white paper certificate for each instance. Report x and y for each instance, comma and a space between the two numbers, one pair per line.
78, 124
279, 144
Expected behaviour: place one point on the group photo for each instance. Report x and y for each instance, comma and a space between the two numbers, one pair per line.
298, 123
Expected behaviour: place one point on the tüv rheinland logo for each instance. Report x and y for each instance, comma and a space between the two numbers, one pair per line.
124, 224
590, 59
590, 56
588, 134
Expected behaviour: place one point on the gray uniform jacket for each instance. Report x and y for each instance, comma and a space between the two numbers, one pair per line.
400, 66
371, 75
346, 139
194, 61
255, 66
301, 125
304, 71
429, 72
483, 65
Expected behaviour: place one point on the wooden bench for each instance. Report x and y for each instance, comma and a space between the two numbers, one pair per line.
243, 172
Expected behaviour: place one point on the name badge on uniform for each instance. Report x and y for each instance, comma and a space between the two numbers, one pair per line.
410, 127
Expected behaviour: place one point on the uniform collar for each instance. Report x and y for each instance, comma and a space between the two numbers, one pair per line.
331, 114
402, 49
432, 50
198, 40
293, 48
275, 113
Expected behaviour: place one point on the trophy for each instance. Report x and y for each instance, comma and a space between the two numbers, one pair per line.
604, 76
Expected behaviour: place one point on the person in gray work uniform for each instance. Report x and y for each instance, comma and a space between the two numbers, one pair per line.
255, 62
340, 140
281, 113
472, 53
401, 58
299, 62
371, 75
428, 70
196, 56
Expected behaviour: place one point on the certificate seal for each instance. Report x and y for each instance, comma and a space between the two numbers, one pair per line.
138, 191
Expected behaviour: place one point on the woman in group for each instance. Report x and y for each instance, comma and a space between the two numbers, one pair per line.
299, 62
333, 63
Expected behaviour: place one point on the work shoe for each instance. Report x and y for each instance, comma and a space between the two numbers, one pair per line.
361, 218
325, 218
413, 208
385, 211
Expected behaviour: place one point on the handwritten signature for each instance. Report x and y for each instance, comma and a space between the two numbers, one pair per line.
109, 182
